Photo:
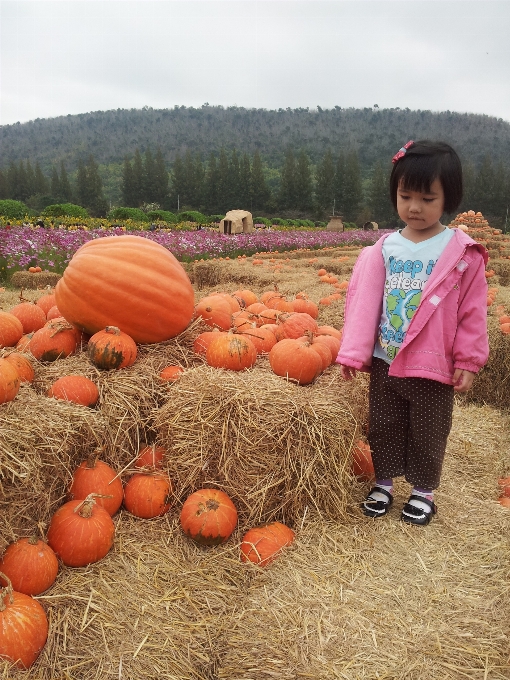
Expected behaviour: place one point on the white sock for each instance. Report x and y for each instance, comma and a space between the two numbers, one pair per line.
377, 496
419, 504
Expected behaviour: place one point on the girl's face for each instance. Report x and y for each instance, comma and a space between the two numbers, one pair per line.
421, 211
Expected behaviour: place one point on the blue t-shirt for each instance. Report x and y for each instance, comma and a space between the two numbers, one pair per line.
408, 268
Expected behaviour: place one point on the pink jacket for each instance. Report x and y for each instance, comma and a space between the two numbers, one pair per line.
447, 331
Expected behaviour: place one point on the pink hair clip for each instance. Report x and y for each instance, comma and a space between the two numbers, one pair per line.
401, 152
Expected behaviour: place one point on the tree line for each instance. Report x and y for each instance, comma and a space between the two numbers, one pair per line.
229, 180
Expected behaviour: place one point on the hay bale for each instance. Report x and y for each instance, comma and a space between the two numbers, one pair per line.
34, 281
274, 447
41, 442
502, 270
492, 384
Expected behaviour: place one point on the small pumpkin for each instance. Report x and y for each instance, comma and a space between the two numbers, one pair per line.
75, 388
262, 545
94, 476
30, 564
24, 342
150, 456
23, 626
46, 302
11, 329
30, 315
148, 495
295, 360
111, 349
53, 313
81, 532
208, 516
56, 340
231, 352
171, 373
23, 365
215, 311
203, 341
247, 296
263, 338
295, 325
362, 465
9, 381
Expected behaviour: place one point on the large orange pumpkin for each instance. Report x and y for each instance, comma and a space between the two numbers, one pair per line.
81, 532
295, 360
30, 564
130, 282
56, 340
262, 545
75, 388
11, 329
23, 365
295, 325
208, 516
231, 352
31, 316
23, 626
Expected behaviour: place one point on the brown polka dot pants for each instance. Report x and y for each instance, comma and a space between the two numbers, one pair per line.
410, 420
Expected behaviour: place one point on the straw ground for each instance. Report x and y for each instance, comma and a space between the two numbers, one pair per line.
352, 598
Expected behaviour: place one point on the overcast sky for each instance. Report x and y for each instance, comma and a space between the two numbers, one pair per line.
64, 57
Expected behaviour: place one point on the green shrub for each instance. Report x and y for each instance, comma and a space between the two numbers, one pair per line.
162, 216
216, 218
63, 210
127, 214
350, 225
13, 210
192, 216
279, 221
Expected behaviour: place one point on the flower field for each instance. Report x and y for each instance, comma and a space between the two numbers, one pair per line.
52, 249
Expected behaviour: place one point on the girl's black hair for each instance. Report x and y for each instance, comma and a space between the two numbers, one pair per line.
424, 162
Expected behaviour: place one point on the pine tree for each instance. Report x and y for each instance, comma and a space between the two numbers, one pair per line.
223, 176
178, 182
484, 187
22, 188
55, 185
303, 183
12, 179
339, 185
234, 182
189, 190
127, 185
198, 182
41, 183
379, 200
97, 205
30, 179
82, 191
137, 180
211, 196
260, 192
353, 190
160, 178
499, 205
4, 187
468, 181
149, 178
245, 183
325, 187
65, 186
287, 198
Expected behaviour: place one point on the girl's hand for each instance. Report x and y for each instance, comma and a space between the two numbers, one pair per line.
347, 372
462, 380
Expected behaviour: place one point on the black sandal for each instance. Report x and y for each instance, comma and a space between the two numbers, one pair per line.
373, 507
411, 514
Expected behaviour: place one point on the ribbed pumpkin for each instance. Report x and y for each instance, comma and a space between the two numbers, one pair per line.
295, 325
30, 564
203, 341
263, 338
148, 495
331, 342
23, 365
262, 545
295, 360
130, 282
215, 311
111, 348
94, 476
75, 388
208, 516
247, 296
305, 306
31, 316
9, 381
46, 302
329, 330
11, 329
23, 342
53, 313
150, 456
81, 532
56, 340
231, 352
23, 626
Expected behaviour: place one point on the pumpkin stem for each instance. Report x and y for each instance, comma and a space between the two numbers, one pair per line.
84, 509
92, 459
113, 330
34, 539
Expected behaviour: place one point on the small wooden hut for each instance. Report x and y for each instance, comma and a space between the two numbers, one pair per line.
236, 222
335, 223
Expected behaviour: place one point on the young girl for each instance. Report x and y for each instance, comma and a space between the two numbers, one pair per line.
415, 318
